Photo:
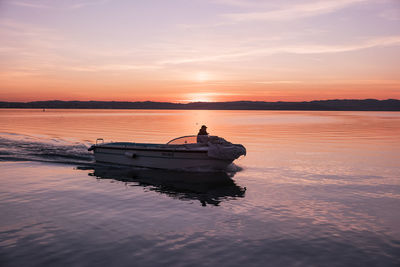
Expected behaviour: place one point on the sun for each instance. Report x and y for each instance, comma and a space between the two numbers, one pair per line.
199, 97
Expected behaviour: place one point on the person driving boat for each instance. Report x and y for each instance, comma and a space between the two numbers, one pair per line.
202, 136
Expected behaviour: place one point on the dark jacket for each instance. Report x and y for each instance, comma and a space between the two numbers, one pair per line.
202, 131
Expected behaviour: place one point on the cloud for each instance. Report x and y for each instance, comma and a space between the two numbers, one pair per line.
297, 49
113, 67
30, 5
76, 5
88, 3
333, 81
279, 82
391, 14
318, 49
293, 12
242, 3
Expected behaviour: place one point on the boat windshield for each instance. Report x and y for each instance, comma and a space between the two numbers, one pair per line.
188, 139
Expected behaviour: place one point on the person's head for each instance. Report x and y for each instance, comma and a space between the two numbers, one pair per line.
204, 127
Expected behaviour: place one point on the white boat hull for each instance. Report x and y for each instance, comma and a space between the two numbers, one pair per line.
159, 158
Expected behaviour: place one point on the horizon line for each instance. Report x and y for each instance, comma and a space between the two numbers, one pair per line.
184, 103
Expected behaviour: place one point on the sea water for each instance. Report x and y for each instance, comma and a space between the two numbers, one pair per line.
317, 188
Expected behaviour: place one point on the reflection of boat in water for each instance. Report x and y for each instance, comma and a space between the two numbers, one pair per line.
207, 187
179, 153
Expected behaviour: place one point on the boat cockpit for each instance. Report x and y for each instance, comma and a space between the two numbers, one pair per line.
183, 140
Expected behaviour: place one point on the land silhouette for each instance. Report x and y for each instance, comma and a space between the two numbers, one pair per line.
336, 104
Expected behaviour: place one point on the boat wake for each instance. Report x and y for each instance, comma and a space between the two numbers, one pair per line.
18, 147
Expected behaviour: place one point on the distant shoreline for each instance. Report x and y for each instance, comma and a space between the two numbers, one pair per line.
321, 105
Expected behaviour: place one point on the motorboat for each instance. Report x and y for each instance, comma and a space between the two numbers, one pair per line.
184, 152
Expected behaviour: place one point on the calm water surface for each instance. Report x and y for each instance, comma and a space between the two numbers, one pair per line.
316, 189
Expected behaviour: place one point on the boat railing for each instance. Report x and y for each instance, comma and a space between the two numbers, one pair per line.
98, 141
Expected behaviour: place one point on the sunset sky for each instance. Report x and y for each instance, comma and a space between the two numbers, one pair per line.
199, 50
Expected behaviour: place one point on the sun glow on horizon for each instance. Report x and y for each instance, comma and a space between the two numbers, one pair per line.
198, 97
